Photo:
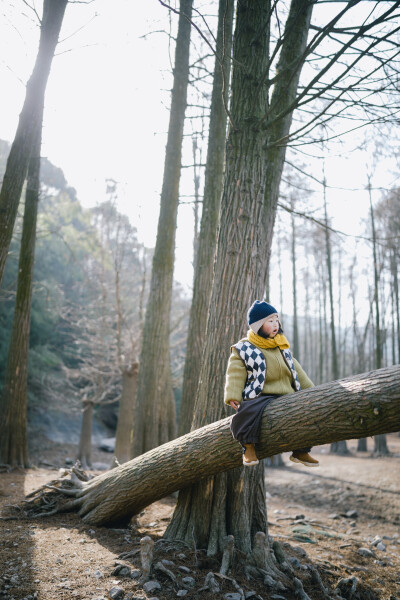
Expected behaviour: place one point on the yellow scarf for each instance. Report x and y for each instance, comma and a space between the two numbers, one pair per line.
278, 341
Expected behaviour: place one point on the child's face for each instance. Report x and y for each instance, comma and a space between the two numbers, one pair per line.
271, 326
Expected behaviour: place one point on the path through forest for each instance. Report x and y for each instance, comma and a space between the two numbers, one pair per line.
332, 516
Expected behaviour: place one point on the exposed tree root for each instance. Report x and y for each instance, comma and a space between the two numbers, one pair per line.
281, 559
317, 581
280, 577
227, 556
234, 583
65, 491
210, 584
160, 567
146, 557
347, 587
299, 590
127, 555
287, 578
51, 498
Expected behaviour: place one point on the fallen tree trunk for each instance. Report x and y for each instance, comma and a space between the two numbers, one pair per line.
355, 407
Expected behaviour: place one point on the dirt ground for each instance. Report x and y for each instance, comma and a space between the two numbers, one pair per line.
321, 516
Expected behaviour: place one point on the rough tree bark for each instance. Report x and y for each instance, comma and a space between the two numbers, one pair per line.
233, 503
355, 407
295, 339
13, 399
126, 415
29, 121
362, 445
155, 421
339, 448
380, 444
85, 440
395, 285
378, 337
334, 357
203, 275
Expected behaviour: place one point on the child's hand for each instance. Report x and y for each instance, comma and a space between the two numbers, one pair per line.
235, 404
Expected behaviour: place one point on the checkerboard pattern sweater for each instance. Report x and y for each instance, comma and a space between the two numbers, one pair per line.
278, 380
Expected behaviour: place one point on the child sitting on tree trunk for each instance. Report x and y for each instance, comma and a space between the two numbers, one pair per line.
260, 369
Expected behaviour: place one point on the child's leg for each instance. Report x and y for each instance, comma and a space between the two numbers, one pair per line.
302, 456
249, 455
245, 426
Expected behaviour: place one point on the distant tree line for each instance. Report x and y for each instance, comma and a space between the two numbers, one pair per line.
90, 284
310, 258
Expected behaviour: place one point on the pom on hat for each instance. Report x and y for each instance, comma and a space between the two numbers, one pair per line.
259, 312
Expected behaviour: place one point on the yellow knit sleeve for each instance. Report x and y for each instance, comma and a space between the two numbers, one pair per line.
235, 378
305, 381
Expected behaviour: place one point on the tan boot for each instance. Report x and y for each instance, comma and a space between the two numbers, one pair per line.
249, 455
304, 458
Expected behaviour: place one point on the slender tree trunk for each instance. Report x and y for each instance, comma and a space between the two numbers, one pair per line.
362, 345
154, 421
209, 510
280, 273
30, 121
13, 400
203, 274
380, 445
362, 445
395, 278
196, 206
378, 339
126, 415
85, 440
321, 300
382, 303
356, 343
307, 358
335, 367
274, 462
393, 327
295, 340
327, 351
351, 408
340, 343
338, 447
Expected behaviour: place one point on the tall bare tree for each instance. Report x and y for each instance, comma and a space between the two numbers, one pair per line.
255, 153
207, 511
204, 262
126, 414
295, 339
380, 443
155, 421
13, 399
30, 121
333, 325
336, 447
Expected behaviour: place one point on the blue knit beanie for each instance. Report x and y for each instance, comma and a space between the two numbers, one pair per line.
259, 312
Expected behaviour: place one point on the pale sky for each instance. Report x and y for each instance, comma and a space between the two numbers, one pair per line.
106, 113
106, 100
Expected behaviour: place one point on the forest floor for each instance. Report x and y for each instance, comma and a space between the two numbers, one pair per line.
322, 516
